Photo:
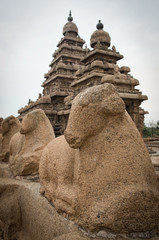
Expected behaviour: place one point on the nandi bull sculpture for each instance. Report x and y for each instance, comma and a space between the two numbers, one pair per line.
10, 126
107, 181
26, 146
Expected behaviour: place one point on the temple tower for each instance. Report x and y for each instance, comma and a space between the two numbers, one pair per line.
74, 68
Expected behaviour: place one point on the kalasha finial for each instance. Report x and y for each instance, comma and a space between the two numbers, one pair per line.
100, 25
70, 18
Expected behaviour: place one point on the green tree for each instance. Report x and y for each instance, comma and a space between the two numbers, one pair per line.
151, 129
146, 131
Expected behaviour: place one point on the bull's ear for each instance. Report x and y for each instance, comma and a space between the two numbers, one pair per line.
83, 100
113, 105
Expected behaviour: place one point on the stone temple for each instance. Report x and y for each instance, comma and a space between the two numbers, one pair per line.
75, 68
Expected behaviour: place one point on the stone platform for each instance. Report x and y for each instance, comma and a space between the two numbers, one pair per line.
26, 215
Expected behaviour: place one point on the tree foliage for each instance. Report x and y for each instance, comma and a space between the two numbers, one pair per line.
151, 129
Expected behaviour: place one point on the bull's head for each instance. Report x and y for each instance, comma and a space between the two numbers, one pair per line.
89, 112
31, 121
6, 124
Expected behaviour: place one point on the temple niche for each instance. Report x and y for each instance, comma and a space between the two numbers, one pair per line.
75, 68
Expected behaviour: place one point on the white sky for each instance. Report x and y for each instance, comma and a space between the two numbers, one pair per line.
30, 31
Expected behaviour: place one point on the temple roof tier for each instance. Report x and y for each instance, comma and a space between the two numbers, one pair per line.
61, 76
63, 55
98, 54
60, 93
131, 81
74, 39
133, 96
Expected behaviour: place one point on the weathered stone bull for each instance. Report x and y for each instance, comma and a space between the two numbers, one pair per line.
108, 182
26, 153
10, 126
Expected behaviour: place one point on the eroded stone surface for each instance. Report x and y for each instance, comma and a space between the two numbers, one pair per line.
10, 126
26, 147
112, 180
5, 171
24, 214
57, 174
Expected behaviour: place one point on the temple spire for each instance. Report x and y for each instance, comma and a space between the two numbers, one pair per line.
100, 25
70, 18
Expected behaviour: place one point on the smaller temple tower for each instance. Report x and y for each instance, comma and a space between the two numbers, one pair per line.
100, 65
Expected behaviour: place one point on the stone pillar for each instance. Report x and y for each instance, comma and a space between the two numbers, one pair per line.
136, 113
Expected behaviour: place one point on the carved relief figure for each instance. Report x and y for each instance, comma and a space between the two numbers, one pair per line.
38, 132
108, 180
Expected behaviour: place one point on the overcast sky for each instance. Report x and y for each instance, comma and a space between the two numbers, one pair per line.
31, 29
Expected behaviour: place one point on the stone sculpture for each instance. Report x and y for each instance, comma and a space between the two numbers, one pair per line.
107, 181
26, 147
10, 126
